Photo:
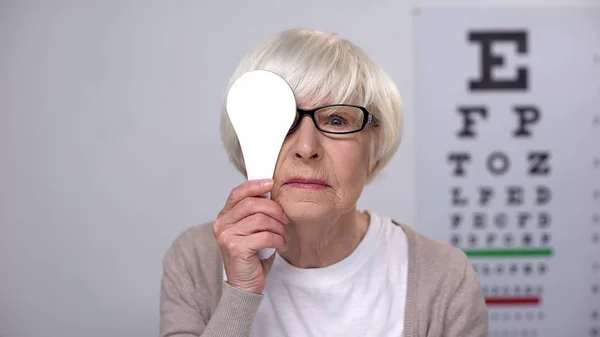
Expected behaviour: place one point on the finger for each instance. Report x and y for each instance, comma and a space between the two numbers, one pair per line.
250, 188
261, 240
255, 223
254, 205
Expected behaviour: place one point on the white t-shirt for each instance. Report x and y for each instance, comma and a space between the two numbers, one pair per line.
363, 295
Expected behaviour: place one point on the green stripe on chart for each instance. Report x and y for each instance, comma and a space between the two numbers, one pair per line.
542, 252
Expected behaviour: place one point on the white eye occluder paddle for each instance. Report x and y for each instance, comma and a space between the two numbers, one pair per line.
262, 107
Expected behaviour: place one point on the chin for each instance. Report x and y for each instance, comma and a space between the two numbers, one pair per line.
306, 210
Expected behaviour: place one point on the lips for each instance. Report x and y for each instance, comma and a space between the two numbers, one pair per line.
307, 183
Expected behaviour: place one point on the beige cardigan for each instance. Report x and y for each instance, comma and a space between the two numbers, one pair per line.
444, 297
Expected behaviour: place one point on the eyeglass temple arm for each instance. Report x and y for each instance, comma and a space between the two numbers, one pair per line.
372, 120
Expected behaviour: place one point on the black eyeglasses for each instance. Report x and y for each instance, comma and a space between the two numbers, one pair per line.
337, 118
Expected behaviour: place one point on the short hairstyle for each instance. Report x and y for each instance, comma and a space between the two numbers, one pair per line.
322, 67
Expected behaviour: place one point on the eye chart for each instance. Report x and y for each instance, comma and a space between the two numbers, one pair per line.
508, 158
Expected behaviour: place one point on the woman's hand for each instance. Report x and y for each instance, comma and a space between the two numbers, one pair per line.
248, 223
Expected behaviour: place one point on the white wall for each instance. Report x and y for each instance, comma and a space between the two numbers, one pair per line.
109, 142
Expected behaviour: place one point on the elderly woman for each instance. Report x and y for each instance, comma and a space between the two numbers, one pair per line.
337, 271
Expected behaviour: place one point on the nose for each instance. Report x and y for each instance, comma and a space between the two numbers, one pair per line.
306, 142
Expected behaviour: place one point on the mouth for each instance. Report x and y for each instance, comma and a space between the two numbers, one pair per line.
307, 183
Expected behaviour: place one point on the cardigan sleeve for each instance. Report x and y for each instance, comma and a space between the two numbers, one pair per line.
467, 312
187, 294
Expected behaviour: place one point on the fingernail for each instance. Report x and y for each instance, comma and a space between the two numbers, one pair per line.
267, 182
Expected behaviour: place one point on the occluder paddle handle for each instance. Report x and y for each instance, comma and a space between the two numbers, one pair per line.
266, 253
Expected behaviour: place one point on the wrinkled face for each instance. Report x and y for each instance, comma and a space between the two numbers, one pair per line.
320, 175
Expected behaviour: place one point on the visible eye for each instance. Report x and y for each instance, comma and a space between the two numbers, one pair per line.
337, 120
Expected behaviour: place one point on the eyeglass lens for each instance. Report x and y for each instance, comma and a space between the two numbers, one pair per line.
337, 119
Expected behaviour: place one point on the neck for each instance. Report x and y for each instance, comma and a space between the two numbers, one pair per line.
320, 244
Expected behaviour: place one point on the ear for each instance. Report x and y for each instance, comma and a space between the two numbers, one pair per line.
372, 169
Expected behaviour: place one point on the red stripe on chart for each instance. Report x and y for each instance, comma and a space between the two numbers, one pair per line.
512, 301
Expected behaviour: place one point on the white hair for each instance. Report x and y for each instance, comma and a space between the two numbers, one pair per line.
321, 67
